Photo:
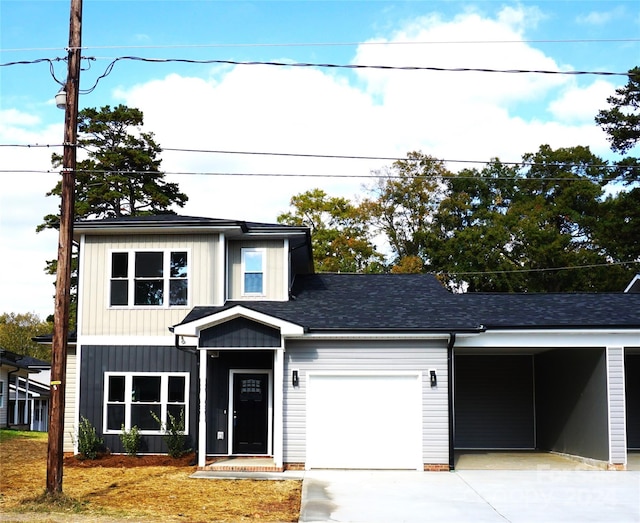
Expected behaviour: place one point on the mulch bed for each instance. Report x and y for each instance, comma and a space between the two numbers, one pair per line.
107, 460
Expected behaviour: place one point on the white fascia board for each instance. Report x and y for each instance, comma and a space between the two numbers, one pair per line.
550, 338
273, 235
178, 228
371, 336
127, 340
193, 328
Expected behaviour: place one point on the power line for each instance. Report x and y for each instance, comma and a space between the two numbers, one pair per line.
387, 158
373, 175
355, 157
333, 44
330, 66
549, 269
363, 66
31, 145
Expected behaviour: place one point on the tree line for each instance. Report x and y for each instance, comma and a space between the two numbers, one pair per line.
562, 220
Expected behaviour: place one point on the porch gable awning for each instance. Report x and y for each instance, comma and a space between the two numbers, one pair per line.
193, 329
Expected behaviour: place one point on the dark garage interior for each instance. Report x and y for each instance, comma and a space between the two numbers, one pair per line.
552, 400
632, 387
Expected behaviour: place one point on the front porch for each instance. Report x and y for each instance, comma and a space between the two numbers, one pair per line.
241, 464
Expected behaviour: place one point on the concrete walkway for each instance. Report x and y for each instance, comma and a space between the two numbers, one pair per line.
515, 496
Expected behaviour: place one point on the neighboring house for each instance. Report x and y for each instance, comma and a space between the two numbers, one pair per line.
634, 284
226, 321
24, 392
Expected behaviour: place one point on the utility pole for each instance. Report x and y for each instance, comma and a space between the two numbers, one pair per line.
65, 247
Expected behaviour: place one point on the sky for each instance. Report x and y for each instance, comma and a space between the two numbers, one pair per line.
363, 112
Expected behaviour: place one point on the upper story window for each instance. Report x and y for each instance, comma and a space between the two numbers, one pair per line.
253, 270
149, 278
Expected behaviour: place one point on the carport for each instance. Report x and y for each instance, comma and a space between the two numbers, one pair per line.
632, 397
549, 400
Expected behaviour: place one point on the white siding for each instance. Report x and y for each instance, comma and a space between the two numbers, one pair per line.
368, 356
275, 270
98, 319
616, 393
5, 400
70, 425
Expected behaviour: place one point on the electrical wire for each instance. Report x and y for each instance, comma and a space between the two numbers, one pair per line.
330, 65
370, 176
549, 269
362, 66
332, 44
113, 62
354, 157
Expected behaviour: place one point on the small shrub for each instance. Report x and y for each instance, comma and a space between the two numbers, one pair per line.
130, 440
174, 435
89, 444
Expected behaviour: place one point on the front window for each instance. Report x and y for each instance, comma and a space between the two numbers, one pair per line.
142, 279
1, 394
253, 272
138, 399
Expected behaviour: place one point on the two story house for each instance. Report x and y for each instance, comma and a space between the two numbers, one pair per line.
226, 323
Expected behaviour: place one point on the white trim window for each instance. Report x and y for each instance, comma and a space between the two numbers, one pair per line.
141, 279
133, 399
253, 271
1, 394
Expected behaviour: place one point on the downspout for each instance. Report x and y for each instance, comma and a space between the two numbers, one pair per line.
450, 344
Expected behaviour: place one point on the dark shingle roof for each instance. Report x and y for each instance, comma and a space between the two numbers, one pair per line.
178, 220
562, 310
22, 361
418, 302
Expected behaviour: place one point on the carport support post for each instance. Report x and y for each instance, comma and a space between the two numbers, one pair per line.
278, 400
202, 417
616, 408
450, 374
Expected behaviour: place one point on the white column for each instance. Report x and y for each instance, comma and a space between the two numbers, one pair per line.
202, 418
26, 401
278, 402
616, 407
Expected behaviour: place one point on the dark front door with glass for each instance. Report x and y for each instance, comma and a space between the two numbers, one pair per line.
250, 413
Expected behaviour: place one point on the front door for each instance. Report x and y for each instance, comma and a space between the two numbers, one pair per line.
250, 404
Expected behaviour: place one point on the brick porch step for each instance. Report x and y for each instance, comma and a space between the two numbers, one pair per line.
243, 464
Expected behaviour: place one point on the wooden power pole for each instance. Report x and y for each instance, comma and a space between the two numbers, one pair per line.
65, 247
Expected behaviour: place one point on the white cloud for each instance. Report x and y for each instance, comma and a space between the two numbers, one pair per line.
598, 17
23, 204
18, 118
581, 104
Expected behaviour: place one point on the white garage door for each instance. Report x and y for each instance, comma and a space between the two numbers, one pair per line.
364, 421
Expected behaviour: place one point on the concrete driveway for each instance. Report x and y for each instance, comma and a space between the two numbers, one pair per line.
515, 496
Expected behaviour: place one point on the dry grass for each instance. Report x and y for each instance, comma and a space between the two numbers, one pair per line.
141, 493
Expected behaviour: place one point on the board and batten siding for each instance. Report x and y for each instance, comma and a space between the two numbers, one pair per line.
368, 356
275, 276
98, 360
98, 319
617, 414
